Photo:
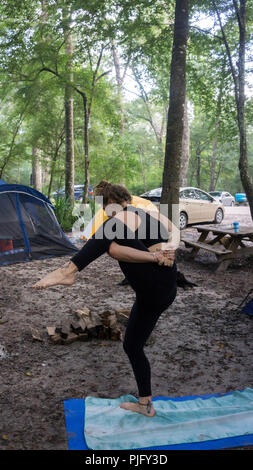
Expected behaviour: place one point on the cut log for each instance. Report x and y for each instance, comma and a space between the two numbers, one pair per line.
83, 313
116, 334
83, 337
65, 330
92, 321
70, 338
111, 322
86, 325
51, 330
56, 339
36, 334
124, 312
79, 326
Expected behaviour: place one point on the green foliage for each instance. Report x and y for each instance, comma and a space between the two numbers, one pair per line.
63, 211
33, 76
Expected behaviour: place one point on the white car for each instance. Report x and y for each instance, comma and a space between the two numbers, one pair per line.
195, 205
224, 197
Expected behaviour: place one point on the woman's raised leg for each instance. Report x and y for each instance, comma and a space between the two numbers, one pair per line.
62, 276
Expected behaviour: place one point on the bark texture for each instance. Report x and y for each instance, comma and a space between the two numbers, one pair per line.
175, 122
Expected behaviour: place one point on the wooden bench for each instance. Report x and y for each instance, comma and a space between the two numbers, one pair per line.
217, 250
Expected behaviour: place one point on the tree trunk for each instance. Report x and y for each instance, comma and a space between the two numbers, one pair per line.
37, 172
46, 170
198, 166
56, 152
142, 169
158, 132
86, 148
218, 174
214, 155
243, 161
185, 149
174, 137
119, 80
217, 125
239, 87
87, 106
36, 169
69, 113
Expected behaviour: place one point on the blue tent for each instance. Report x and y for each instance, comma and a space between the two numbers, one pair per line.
28, 226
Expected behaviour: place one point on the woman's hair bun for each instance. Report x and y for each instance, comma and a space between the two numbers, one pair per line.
115, 192
100, 187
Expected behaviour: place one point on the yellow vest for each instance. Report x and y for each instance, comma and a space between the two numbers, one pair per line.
100, 216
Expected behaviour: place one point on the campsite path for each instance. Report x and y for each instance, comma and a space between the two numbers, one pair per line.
200, 345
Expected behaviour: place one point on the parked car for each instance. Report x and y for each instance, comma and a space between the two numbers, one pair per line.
240, 198
223, 196
195, 205
78, 192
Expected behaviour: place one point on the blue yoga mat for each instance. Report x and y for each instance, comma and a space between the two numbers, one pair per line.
75, 421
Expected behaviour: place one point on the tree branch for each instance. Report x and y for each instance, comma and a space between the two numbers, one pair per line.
102, 75
237, 13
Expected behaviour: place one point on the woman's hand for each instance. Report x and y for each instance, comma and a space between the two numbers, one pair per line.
165, 257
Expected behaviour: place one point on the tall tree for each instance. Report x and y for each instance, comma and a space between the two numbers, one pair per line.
238, 74
175, 122
36, 169
36, 177
120, 74
69, 106
213, 180
185, 148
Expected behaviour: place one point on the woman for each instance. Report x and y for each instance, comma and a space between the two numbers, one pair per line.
134, 237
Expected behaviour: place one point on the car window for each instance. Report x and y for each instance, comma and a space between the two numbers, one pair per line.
227, 194
202, 196
215, 193
188, 194
155, 192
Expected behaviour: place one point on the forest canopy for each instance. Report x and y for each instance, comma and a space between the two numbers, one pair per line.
85, 87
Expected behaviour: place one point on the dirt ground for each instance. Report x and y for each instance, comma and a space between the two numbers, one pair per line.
199, 346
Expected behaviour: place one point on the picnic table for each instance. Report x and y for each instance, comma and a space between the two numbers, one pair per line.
223, 241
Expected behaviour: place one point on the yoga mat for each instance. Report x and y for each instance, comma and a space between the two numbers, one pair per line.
75, 422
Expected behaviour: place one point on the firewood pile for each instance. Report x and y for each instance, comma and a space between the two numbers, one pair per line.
87, 325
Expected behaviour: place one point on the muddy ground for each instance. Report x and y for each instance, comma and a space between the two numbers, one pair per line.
199, 346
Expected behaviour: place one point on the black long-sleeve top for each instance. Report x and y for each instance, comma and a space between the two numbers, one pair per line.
150, 232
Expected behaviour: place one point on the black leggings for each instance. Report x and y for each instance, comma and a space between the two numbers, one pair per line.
142, 320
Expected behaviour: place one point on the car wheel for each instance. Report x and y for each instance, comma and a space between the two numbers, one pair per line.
218, 216
183, 220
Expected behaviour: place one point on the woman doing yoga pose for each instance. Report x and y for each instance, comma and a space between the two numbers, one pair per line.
134, 237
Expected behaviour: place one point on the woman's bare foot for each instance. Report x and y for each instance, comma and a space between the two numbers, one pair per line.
63, 276
145, 409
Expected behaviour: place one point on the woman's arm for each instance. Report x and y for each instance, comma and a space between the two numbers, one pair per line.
173, 242
133, 255
130, 255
